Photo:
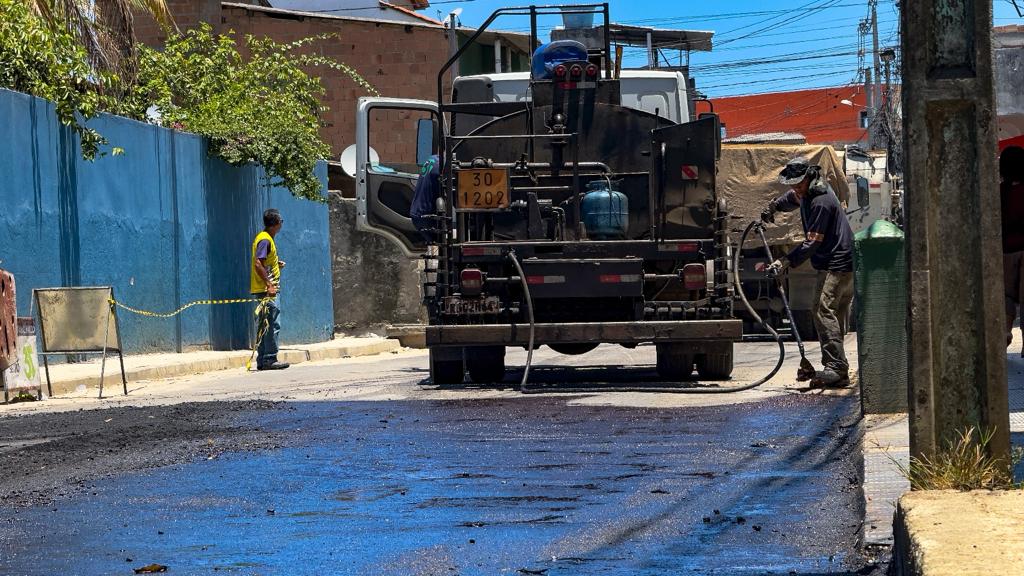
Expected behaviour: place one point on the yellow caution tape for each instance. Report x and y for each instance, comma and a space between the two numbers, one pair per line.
183, 308
261, 316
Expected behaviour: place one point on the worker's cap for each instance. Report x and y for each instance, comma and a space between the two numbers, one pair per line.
794, 172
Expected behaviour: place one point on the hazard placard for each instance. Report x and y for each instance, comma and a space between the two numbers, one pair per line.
689, 172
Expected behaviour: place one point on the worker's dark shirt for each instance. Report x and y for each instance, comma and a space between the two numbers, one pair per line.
828, 239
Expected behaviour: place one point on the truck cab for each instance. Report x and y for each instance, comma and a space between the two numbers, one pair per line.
660, 92
577, 206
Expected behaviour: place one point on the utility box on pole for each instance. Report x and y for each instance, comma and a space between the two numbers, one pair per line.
881, 286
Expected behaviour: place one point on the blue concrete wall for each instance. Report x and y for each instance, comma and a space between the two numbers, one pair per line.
163, 223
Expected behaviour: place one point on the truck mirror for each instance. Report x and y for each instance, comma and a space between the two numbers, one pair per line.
426, 133
863, 189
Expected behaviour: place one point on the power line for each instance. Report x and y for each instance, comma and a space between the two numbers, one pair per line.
779, 80
710, 17
827, 4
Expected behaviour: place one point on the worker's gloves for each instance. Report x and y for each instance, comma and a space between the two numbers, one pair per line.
778, 267
768, 216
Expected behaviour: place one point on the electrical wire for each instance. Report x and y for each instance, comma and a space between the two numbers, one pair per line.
788, 79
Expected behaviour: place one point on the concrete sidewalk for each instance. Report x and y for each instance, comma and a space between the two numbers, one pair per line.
931, 526
68, 378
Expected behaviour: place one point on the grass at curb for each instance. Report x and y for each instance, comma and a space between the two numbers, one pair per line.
964, 464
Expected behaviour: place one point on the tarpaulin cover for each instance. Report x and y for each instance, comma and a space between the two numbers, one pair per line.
748, 178
549, 55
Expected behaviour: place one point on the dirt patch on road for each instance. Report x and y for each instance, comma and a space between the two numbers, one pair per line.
51, 456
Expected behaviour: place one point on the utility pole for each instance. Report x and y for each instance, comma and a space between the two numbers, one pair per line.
869, 106
893, 162
957, 346
877, 87
453, 42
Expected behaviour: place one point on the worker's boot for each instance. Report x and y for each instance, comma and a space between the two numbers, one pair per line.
274, 366
829, 379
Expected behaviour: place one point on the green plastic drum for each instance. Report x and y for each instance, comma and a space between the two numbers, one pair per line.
881, 286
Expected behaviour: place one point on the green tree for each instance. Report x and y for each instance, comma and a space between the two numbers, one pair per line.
48, 62
264, 108
105, 29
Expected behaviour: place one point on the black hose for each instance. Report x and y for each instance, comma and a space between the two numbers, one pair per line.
692, 390
701, 389
785, 300
529, 316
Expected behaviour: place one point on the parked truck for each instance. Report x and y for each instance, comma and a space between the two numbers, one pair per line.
572, 212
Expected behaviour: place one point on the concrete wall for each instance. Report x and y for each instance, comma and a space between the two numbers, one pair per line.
163, 223
374, 284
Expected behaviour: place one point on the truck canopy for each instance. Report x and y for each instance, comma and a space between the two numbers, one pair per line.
748, 180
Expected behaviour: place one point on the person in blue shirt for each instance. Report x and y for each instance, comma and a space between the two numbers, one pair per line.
828, 244
424, 199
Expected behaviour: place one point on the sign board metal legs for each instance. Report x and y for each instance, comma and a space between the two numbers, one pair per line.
80, 320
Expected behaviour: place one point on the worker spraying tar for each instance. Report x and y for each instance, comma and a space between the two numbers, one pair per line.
828, 243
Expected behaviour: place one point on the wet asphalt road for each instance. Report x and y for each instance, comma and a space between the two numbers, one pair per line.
516, 485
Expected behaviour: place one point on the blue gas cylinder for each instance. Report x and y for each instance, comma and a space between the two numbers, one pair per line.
605, 211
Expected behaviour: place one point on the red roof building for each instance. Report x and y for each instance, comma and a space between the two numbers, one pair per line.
818, 114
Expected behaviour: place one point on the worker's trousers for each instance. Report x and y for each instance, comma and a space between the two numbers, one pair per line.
268, 322
831, 312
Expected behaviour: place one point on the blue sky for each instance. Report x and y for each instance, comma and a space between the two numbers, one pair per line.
807, 43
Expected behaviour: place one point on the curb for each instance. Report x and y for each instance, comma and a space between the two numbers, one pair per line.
410, 335
951, 533
228, 361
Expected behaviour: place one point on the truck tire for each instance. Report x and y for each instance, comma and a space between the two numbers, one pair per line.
446, 366
715, 365
675, 363
486, 364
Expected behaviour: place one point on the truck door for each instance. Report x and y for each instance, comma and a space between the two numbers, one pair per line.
394, 137
686, 163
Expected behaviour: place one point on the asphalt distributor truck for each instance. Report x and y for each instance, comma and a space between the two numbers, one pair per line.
564, 219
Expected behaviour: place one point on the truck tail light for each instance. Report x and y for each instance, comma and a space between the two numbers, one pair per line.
576, 71
591, 71
472, 282
695, 277
560, 71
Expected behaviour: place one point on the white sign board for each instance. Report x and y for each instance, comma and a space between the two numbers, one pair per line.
24, 371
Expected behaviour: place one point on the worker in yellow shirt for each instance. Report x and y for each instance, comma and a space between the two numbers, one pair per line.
264, 282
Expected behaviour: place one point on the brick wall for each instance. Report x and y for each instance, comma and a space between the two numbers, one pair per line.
186, 14
399, 60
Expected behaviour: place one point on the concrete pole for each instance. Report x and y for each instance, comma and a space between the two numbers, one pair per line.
453, 43
869, 107
957, 355
497, 55
873, 139
875, 57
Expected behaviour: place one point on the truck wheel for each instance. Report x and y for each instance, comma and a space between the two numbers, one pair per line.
486, 364
446, 366
715, 365
674, 363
